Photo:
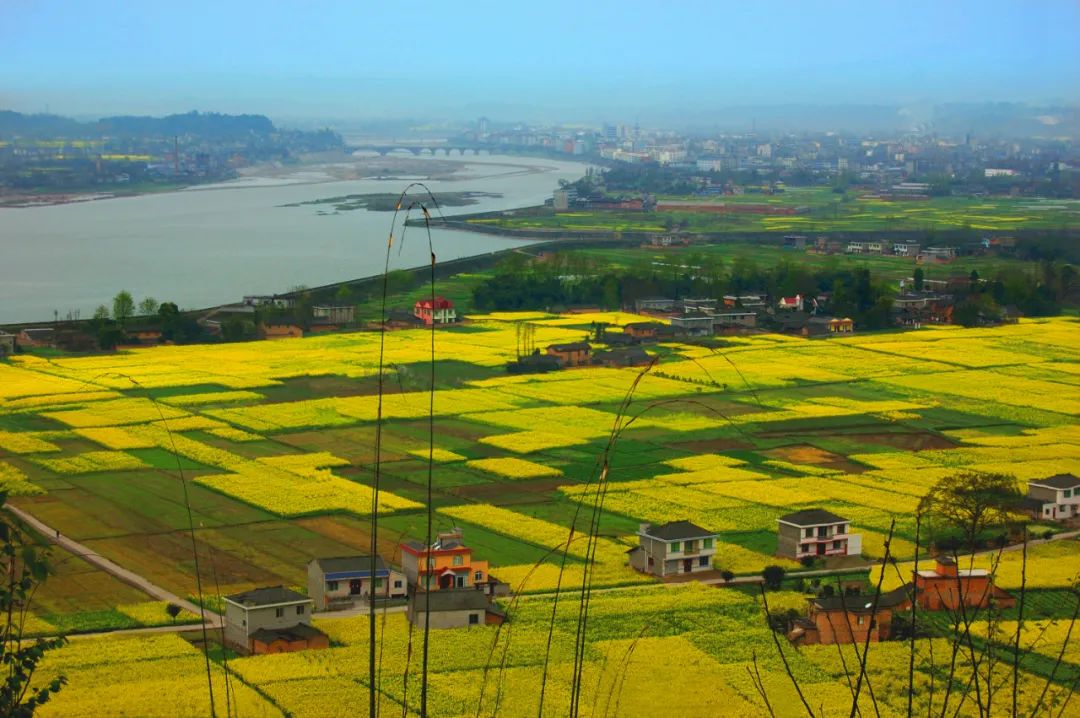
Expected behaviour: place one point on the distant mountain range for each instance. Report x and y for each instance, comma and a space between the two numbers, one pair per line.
207, 125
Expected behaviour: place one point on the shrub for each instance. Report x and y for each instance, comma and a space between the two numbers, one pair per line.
774, 577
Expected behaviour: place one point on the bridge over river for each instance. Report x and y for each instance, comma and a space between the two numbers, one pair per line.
422, 148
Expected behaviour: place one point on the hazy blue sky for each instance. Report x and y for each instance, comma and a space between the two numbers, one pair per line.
580, 60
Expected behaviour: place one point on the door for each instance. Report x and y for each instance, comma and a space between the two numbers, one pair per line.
355, 587
821, 549
687, 565
446, 580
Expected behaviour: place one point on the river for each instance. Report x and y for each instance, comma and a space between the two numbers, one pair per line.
211, 245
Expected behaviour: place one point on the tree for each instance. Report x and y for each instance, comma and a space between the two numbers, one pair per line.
774, 577
101, 313
970, 502
918, 278
173, 610
148, 305
727, 575
25, 564
123, 306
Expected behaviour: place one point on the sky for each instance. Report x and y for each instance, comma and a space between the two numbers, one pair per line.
578, 61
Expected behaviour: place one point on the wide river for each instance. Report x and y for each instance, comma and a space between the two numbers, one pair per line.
211, 245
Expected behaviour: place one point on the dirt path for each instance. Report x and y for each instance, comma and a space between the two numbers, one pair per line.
128, 577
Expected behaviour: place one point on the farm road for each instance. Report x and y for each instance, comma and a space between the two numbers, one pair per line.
128, 577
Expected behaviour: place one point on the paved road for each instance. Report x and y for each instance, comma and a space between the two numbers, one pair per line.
128, 577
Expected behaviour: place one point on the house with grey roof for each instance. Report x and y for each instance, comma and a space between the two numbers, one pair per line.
342, 581
816, 533
452, 608
271, 620
1056, 498
674, 548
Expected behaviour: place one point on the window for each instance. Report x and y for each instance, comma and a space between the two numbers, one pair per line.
706, 543
243, 622
809, 533
299, 610
703, 561
378, 584
1068, 493
279, 612
331, 585
397, 584
474, 619
860, 620
842, 529
458, 560
430, 563
460, 581
674, 547
837, 545
478, 576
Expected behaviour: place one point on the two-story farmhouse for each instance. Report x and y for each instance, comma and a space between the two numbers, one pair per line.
452, 608
849, 619
816, 533
441, 311
948, 586
447, 563
271, 620
678, 547
340, 582
1056, 498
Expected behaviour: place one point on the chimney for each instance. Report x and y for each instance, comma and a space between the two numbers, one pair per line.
946, 566
643, 528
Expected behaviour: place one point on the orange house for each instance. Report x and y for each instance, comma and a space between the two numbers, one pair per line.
849, 619
571, 354
447, 564
948, 586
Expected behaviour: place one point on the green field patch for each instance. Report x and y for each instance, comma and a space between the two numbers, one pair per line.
166, 460
86, 621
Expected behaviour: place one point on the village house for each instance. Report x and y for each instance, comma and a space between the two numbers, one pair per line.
271, 620
937, 254
791, 303
647, 331
334, 315
827, 326
630, 356
36, 337
749, 300
447, 564
342, 581
654, 304
678, 547
693, 324
268, 330
571, 353
1056, 498
906, 249
735, 319
7, 344
948, 586
452, 608
816, 533
699, 305
440, 312
848, 619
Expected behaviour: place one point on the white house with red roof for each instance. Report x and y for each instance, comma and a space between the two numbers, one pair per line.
793, 303
441, 311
